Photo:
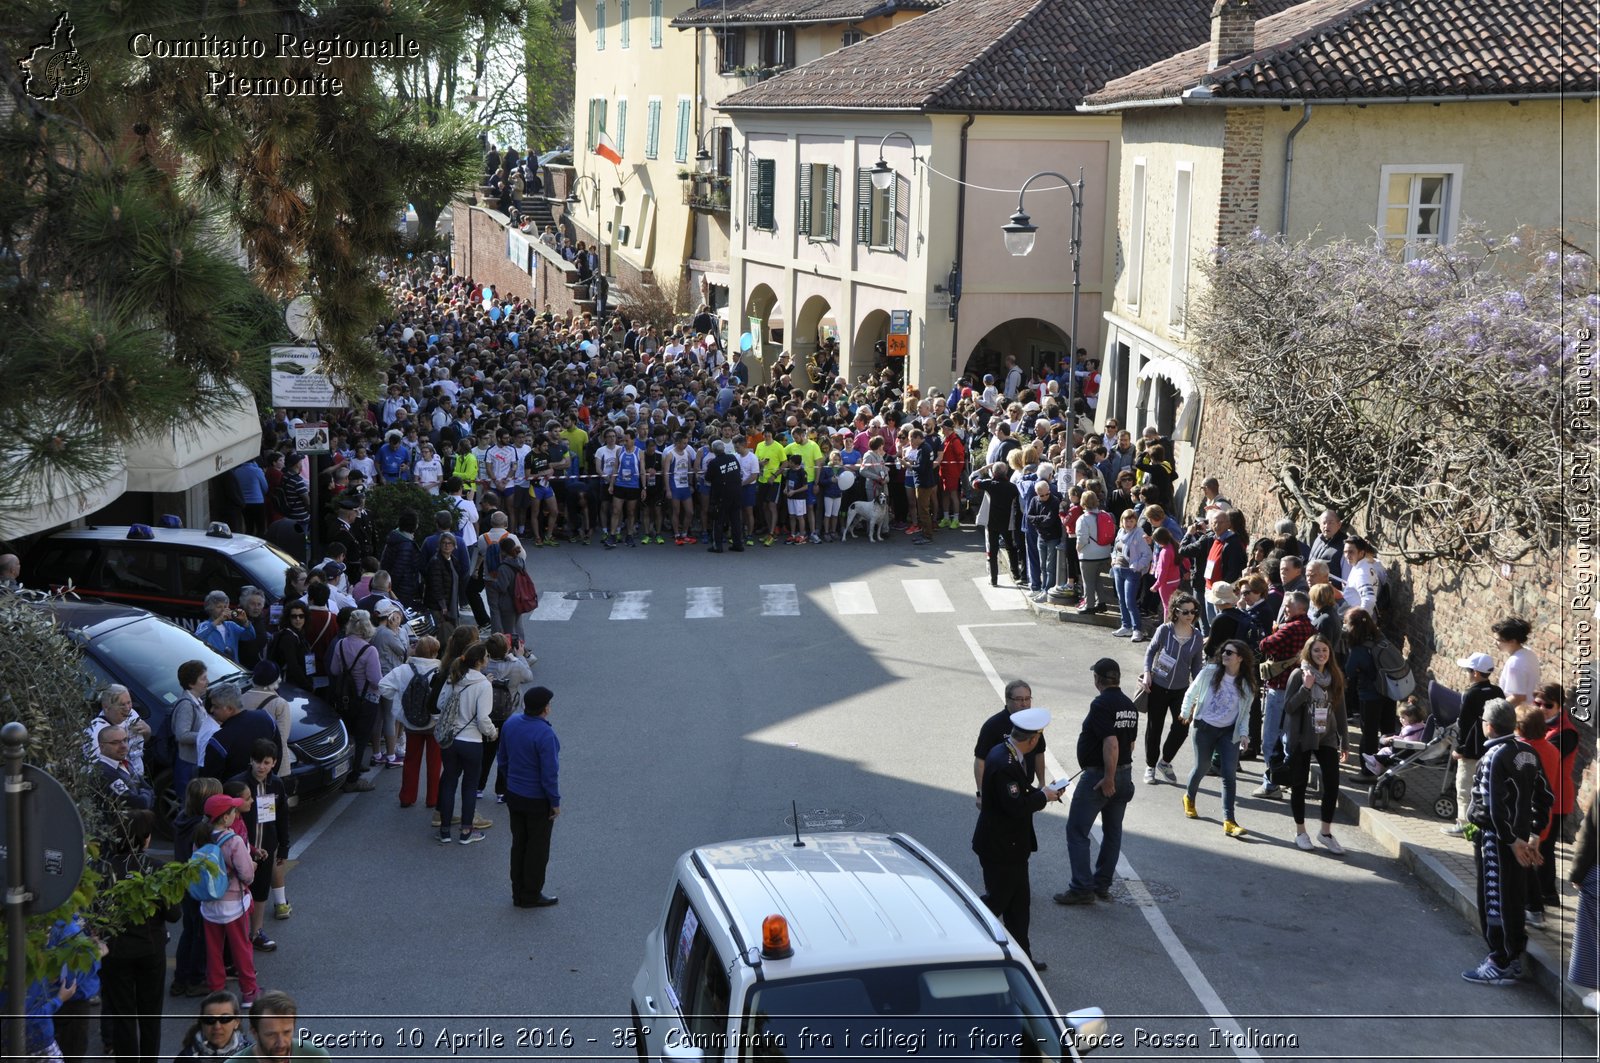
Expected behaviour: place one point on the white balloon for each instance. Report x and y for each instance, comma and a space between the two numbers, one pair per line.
847, 480
405, 337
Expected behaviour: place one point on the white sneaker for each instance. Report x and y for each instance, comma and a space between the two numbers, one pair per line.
1329, 842
1139, 636
1266, 789
1166, 771
1591, 1000
1122, 632
1149, 775
1455, 830
1303, 841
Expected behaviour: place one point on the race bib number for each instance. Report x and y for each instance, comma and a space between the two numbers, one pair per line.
1319, 719
267, 808
311, 664
1166, 664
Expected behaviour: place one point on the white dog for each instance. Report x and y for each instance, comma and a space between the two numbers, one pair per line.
874, 513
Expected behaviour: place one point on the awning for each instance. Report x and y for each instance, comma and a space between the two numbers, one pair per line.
62, 502
191, 454
1171, 369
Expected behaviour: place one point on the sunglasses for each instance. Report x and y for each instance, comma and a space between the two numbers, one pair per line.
217, 1020
1230, 653
1186, 612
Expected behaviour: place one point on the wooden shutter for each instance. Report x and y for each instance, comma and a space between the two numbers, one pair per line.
652, 128
830, 204
622, 126
803, 201
767, 172
752, 187
900, 210
864, 207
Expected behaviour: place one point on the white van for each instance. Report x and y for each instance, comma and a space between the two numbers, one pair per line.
848, 945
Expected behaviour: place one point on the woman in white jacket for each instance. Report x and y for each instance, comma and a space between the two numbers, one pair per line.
466, 699
1218, 706
420, 744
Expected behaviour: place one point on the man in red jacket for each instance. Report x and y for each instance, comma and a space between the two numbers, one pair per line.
1279, 650
952, 465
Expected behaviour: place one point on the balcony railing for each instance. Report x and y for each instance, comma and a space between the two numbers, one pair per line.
707, 193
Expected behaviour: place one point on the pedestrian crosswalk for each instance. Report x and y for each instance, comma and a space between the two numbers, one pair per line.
843, 599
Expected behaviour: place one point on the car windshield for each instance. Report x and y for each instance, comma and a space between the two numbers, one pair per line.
150, 651
989, 1011
266, 565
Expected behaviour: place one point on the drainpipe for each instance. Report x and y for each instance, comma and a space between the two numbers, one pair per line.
961, 232
1288, 168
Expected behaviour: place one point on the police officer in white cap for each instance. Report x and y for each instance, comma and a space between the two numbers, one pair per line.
1004, 838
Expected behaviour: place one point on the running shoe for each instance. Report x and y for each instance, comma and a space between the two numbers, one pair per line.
1489, 973
475, 836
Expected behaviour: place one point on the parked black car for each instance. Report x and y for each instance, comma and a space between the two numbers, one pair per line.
142, 652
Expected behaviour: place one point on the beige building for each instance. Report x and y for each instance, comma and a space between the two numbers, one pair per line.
963, 104
650, 73
1332, 119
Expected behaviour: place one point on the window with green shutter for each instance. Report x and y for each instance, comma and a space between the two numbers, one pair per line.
803, 201
599, 25
622, 24
652, 127
680, 150
878, 224
766, 194
816, 204
655, 23
620, 140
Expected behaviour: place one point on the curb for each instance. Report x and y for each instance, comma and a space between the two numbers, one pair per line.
1546, 969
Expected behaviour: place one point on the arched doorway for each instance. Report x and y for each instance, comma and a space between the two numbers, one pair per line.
816, 338
1034, 342
764, 318
864, 353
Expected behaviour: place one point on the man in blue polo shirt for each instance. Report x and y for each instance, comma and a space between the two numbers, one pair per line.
530, 762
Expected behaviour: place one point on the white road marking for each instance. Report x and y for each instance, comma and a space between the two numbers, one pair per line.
630, 605
1199, 985
852, 599
779, 599
704, 603
998, 598
323, 822
927, 596
554, 607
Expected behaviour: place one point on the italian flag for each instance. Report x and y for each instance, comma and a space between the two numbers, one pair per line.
607, 150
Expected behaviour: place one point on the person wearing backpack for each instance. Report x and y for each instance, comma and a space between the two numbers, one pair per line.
509, 675
501, 584
465, 702
1130, 559
353, 666
1364, 683
410, 692
1096, 535
227, 918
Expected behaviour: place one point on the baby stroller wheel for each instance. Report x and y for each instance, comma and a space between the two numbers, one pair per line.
1445, 806
1377, 797
1397, 789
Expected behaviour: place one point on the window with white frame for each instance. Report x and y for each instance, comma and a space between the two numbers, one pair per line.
817, 202
597, 119
622, 22
599, 25
730, 49
655, 23
680, 148
1178, 290
882, 218
1418, 206
1136, 207
652, 127
761, 194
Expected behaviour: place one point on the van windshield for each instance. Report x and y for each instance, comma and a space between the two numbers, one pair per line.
150, 651
988, 1011
265, 565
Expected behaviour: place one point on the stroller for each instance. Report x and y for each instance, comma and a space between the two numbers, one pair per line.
1439, 739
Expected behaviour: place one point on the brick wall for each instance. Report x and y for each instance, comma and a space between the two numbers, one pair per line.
1239, 197
478, 245
1233, 31
1444, 611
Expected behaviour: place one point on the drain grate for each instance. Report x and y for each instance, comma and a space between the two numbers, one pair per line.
585, 596
827, 819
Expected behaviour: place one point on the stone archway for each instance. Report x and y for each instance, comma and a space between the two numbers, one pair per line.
813, 327
864, 356
1033, 341
764, 317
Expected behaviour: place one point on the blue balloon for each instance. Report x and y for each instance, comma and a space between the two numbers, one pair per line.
494, 313
410, 255
746, 342
516, 341
433, 339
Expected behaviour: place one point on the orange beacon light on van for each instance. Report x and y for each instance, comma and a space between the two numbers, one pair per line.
775, 938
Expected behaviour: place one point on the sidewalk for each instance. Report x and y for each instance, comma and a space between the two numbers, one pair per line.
1409, 831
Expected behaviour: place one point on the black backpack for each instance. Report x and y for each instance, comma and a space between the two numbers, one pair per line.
417, 700
500, 708
347, 693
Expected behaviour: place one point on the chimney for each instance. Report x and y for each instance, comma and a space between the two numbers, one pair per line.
1233, 32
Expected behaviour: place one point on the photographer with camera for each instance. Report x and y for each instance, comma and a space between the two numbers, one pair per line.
225, 627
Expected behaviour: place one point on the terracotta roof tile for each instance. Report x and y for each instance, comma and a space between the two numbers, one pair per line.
1006, 56
740, 12
1374, 49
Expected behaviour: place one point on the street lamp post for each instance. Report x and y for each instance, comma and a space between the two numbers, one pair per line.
882, 173
1019, 234
599, 225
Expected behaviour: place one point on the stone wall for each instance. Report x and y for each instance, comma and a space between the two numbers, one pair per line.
1239, 197
479, 249
1443, 611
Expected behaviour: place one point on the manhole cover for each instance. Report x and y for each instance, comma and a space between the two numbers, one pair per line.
826, 819
1143, 894
584, 596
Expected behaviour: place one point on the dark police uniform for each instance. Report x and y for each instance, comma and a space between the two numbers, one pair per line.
993, 733
726, 480
1004, 838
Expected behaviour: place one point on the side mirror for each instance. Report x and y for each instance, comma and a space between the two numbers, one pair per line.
1088, 1027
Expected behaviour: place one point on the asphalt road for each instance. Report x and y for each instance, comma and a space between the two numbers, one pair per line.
848, 681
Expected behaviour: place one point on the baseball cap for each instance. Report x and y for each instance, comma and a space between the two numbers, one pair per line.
385, 607
1477, 662
217, 804
1106, 668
